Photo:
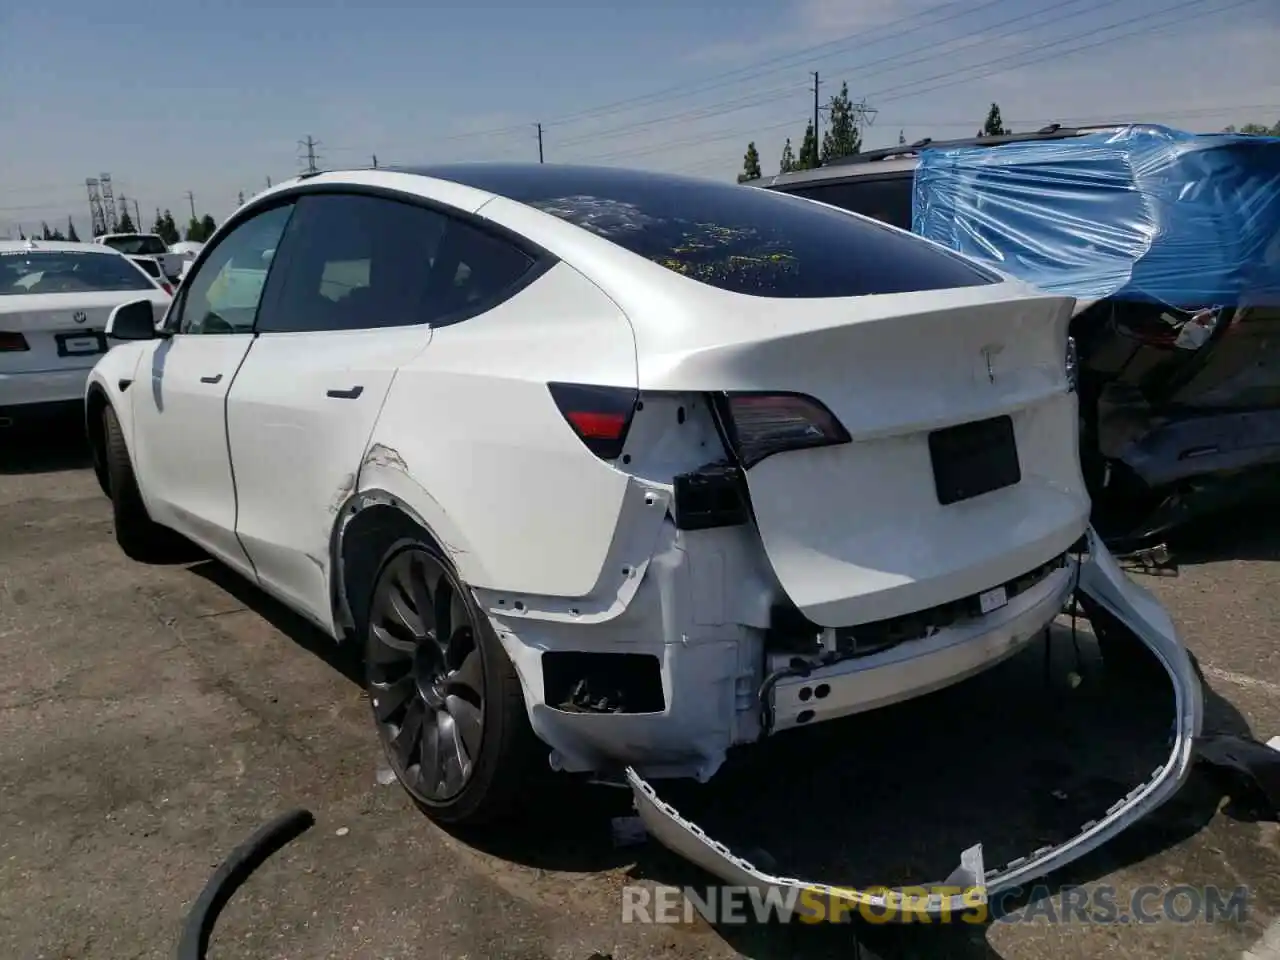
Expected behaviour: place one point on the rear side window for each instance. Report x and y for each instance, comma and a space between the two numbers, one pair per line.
136, 244
353, 262
742, 239
885, 199
150, 267
25, 273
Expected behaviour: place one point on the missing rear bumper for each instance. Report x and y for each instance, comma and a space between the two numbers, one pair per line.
971, 882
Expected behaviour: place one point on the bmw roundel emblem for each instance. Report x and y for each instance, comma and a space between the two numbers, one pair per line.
80, 316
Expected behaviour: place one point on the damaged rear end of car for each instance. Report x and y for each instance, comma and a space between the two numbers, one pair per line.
853, 477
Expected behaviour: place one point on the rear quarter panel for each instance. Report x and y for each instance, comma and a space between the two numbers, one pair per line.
470, 439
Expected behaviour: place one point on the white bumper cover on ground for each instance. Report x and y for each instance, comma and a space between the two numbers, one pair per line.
971, 882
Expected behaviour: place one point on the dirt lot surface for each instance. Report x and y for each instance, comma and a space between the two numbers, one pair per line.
151, 718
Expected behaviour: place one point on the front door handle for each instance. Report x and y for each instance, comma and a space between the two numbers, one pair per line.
216, 379
345, 394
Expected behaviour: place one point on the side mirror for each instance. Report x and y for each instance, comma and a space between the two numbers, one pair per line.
135, 320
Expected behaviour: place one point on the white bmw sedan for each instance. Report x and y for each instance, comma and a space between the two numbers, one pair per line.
55, 299
617, 469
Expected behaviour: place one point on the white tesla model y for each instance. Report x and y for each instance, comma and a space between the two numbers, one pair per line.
620, 468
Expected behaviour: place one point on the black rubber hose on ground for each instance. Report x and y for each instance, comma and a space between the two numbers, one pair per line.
233, 872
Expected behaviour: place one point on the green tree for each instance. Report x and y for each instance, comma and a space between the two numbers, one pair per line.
125, 225
168, 228
193, 231
994, 127
842, 138
45, 232
902, 137
788, 162
71, 231
750, 164
21, 235
207, 227
157, 225
1256, 129
808, 158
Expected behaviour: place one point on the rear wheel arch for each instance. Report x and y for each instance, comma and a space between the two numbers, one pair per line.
366, 530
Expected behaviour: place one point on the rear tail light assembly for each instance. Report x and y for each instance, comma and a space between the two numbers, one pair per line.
13, 343
600, 416
758, 425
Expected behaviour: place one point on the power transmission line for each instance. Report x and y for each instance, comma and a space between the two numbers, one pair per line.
929, 53
949, 78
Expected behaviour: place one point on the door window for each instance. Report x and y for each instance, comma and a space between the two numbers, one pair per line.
358, 262
223, 293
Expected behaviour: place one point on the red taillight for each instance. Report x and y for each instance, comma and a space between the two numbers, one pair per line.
762, 424
12, 342
600, 416
167, 287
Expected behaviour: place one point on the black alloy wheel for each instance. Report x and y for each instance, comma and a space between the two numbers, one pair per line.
426, 676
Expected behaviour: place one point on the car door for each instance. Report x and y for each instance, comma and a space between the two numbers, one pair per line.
350, 308
179, 405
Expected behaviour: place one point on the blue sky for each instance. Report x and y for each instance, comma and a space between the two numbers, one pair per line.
213, 96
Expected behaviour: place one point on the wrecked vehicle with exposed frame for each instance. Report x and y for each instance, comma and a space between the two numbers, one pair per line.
619, 472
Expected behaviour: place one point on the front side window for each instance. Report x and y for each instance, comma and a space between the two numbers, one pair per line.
358, 262
29, 272
223, 294
742, 239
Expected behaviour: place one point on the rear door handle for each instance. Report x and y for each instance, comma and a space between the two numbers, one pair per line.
346, 394
216, 379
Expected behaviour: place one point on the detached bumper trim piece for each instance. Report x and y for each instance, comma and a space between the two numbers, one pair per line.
971, 882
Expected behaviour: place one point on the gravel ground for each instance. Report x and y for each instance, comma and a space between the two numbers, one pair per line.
153, 717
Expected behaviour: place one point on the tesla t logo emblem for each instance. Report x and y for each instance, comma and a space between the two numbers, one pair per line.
988, 352
80, 316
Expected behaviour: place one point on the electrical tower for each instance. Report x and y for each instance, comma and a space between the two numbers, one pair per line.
309, 157
108, 202
97, 219
863, 115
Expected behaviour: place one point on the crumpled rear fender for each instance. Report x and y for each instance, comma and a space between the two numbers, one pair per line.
971, 883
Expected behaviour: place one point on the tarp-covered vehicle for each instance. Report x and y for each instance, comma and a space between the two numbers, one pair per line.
1171, 244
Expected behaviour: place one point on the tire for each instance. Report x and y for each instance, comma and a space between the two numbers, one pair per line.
446, 700
140, 537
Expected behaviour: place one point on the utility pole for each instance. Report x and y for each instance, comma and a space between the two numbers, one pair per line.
375, 161
240, 199
137, 216
817, 140
191, 199
540, 143
310, 145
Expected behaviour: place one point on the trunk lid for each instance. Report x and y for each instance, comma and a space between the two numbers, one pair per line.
917, 509
61, 331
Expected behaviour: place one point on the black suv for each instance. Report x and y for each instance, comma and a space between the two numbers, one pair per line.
878, 183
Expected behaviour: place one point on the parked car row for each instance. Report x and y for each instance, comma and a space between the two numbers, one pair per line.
612, 473
168, 262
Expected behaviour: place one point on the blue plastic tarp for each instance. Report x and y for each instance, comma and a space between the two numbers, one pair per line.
1138, 213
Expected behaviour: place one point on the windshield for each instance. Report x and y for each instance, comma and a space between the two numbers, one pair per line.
136, 243
741, 239
24, 272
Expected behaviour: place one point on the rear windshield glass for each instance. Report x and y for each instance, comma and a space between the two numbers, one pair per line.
742, 239
24, 272
887, 199
135, 244
150, 266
